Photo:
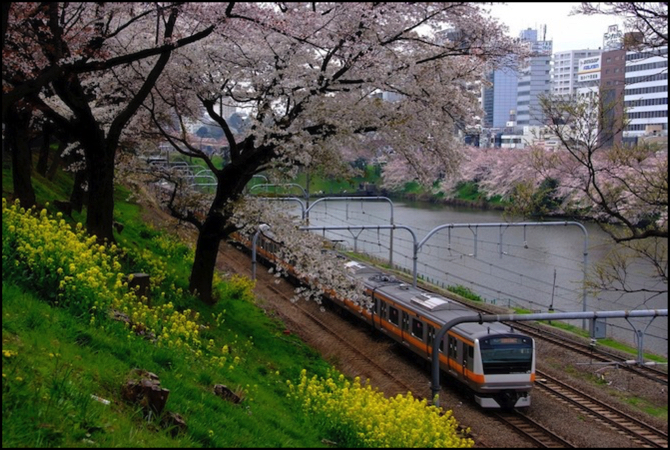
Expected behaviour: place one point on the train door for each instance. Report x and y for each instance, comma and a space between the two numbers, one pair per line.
468, 358
382, 315
452, 345
418, 333
375, 311
463, 358
464, 361
430, 338
405, 328
394, 320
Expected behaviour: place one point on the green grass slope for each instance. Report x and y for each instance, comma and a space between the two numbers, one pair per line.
75, 333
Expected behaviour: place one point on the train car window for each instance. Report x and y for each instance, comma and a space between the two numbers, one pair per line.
393, 316
431, 335
405, 321
382, 310
376, 305
417, 328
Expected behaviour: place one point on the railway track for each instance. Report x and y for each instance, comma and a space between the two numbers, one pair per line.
594, 354
641, 433
518, 422
529, 428
521, 424
401, 387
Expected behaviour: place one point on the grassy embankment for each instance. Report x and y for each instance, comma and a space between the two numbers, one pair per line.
66, 360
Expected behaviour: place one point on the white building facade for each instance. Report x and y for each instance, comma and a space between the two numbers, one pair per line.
567, 72
646, 93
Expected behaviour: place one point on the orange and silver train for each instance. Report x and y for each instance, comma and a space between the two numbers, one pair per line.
493, 360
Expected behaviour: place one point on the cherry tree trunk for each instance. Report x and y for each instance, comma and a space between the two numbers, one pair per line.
217, 225
77, 195
17, 131
100, 170
204, 263
43, 160
100, 215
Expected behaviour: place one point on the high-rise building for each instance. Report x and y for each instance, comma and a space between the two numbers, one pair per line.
612, 80
646, 93
636, 81
499, 100
511, 102
534, 79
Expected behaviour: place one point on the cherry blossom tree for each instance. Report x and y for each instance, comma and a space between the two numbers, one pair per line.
623, 187
628, 185
90, 66
497, 171
648, 19
311, 77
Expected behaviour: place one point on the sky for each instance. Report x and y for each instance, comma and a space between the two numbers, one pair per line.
567, 32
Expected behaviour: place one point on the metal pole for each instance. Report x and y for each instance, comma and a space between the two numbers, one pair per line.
306, 215
553, 288
374, 227
254, 240
449, 226
325, 199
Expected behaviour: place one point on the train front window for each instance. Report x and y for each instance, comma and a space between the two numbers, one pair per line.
506, 354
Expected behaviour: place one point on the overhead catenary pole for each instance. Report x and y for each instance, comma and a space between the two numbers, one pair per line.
449, 226
362, 199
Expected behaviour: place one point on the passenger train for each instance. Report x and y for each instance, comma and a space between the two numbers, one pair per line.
494, 361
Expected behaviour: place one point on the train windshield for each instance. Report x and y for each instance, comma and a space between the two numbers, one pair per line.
506, 354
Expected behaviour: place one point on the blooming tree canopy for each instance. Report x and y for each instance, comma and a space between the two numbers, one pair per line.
623, 186
314, 79
88, 67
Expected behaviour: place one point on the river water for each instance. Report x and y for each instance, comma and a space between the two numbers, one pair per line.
539, 268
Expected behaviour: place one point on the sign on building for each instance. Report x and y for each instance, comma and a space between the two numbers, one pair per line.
613, 39
589, 69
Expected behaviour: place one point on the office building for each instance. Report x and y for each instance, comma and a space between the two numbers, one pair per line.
500, 99
646, 93
534, 79
636, 81
566, 68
